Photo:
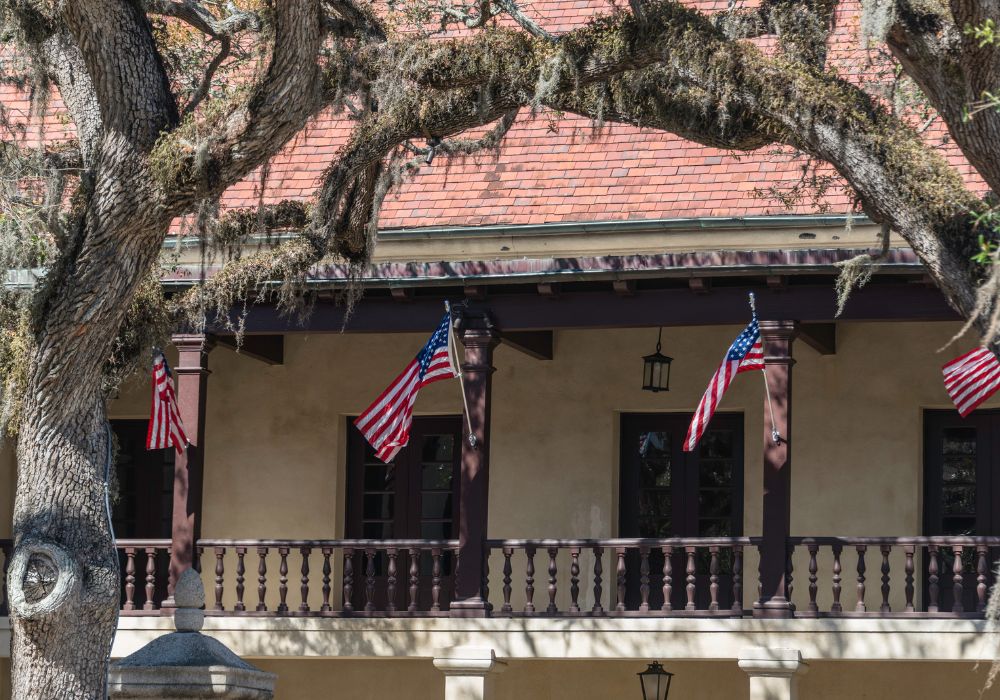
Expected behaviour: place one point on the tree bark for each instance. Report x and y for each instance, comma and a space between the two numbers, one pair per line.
63, 579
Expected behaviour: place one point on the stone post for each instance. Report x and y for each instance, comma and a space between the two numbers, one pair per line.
468, 672
774, 673
186, 663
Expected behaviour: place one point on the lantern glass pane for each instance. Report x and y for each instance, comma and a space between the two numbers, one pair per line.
657, 372
647, 373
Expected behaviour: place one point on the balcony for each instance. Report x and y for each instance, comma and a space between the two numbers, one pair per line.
827, 577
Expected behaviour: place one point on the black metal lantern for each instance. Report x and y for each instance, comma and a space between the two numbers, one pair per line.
655, 682
656, 369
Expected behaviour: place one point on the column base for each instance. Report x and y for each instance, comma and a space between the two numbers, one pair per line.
470, 607
774, 608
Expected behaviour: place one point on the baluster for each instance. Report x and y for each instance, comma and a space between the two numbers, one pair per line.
620, 604
886, 550
690, 571
643, 579
129, 579
958, 587
261, 579
981, 568
390, 581
738, 579
932, 578
713, 579
304, 587
414, 579
861, 549
508, 552
150, 604
668, 578
529, 581
220, 572
909, 550
574, 580
551, 609
436, 579
327, 553
197, 559
486, 579
240, 571
348, 583
813, 578
789, 570
598, 608
836, 607
283, 580
369, 580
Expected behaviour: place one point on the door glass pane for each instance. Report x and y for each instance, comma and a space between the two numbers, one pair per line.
958, 478
438, 448
655, 477
436, 506
379, 506
437, 476
654, 460
716, 493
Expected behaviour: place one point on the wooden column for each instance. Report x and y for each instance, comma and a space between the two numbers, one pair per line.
191, 376
479, 338
777, 337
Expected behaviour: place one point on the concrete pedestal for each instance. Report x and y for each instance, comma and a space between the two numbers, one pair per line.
186, 663
468, 672
773, 672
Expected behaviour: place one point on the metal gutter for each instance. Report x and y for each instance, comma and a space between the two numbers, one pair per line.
564, 228
627, 226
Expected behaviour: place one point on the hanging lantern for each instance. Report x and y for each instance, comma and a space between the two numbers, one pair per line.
656, 369
655, 682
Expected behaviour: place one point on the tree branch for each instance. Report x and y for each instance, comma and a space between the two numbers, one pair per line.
198, 16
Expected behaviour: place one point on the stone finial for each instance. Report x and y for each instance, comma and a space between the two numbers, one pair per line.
186, 663
189, 596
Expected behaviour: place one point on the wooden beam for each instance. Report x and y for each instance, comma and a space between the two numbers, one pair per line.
549, 290
821, 337
269, 349
700, 285
777, 283
537, 344
403, 294
890, 301
474, 291
624, 288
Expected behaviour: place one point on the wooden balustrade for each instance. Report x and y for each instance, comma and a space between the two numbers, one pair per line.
892, 576
644, 582
917, 576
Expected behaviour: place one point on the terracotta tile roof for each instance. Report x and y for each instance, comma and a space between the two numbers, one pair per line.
561, 169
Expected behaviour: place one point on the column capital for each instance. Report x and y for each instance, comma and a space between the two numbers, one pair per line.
762, 661
467, 661
475, 328
779, 330
193, 342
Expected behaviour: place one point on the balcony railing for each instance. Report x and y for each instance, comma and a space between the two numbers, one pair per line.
906, 577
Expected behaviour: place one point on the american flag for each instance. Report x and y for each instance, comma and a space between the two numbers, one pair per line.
745, 354
971, 379
165, 427
386, 423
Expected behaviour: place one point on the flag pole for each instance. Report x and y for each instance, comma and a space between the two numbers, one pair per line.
775, 435
453, 355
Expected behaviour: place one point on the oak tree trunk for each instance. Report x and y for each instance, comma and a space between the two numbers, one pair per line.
64, 574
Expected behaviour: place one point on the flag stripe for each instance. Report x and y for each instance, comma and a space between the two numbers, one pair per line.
745, 354
386, 423
165, 425
972, 378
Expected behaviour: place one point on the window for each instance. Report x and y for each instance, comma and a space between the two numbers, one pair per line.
961, 486
665, 492
413, 497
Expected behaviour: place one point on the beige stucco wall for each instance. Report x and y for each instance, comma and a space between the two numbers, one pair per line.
276, 434
601, 680
276, 442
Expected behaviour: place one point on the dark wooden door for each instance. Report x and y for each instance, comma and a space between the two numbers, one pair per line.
413, 497
961, 490
144, 503
665, 492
